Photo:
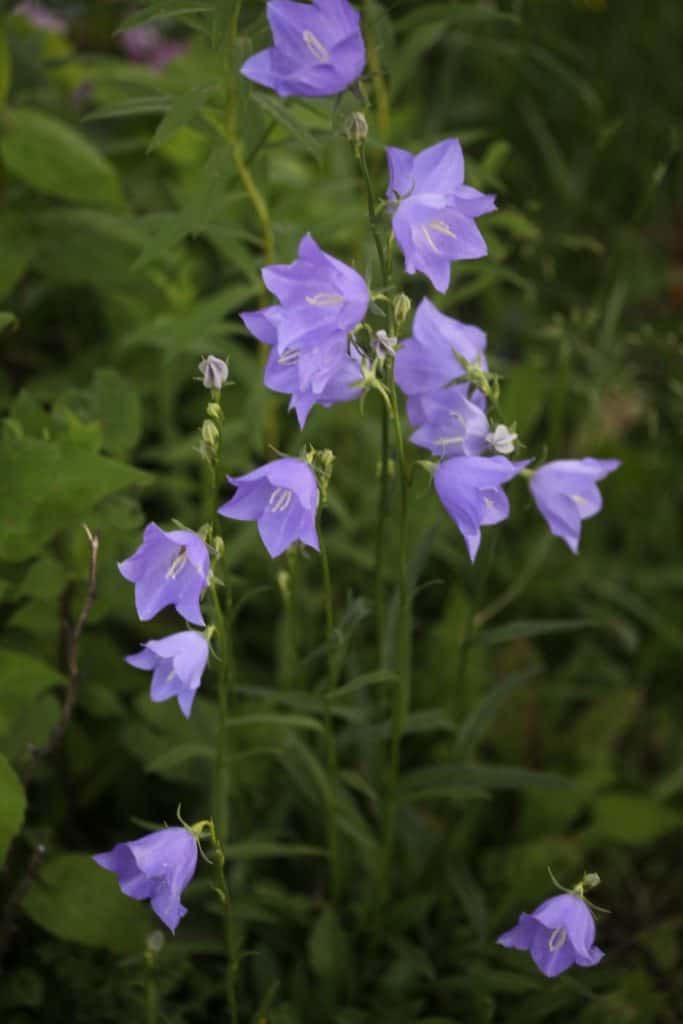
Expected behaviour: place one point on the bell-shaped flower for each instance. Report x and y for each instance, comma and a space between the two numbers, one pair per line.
448, 423
323, 374
434, 211
566, 493
169, 568
558, 933
177, 663
157, 868
317, 50
470, 489
282, 497
437, 352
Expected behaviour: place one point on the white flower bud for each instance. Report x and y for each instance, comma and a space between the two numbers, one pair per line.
356, 128
502, 440
214, 372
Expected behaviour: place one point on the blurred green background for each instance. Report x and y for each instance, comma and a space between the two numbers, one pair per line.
547, 709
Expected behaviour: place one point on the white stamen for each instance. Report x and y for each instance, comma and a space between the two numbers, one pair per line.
280, 499
314, 45
289, 357
442, 228
325, 299
578, 499
557, 939
177, 564
445, 441
170, 675
428, 238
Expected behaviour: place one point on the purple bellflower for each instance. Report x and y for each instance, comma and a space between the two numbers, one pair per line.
169, 568
470, 489
558, 933
321, 301
177, 663
282, 497
566, 492
318, 49
434, 211
146, 45
156, 867
434, 355
448, 423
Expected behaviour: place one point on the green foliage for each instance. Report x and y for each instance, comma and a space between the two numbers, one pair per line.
544, 720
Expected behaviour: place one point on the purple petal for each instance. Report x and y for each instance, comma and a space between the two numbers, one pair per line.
440, 168
521, 936
401, 175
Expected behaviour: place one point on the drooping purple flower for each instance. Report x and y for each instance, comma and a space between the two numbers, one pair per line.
157, 868
177, 663
169, 568
448, 423
434, 355
558, 933
282, 497
434, 211
470, 489
317, 50
566, 492
321, 301
324, 374
146, 45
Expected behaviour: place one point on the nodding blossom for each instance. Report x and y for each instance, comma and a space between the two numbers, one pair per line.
282, 497
322, 300
558, 933
317, 49
448, 423
157, 868
470, 489
566, 492
434, 211
177, 663
436, 352
169, 568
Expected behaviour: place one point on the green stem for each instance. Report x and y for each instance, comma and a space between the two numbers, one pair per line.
221, 786
229, 938
382, 498
151, 989
330, 738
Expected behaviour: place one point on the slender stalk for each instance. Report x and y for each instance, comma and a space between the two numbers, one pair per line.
221, 783
382, 498
151, 989
229, 938
330, 738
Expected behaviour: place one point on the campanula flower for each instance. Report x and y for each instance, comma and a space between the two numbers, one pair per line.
470, 489
323, 374
434, 211
282, 497
317, 50
566, 492
177, 663
437, 351
157, 868
558, 933
146, 45
169, 568
448, 423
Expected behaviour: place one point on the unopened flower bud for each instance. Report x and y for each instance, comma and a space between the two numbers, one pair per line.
214, 410
284, 582
214, 372
210, 433
155, 941
402, 307
356, 128
218, 545
502, 440
384, 345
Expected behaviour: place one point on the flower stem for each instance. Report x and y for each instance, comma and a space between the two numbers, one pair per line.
221, 889
330, 738
382, 498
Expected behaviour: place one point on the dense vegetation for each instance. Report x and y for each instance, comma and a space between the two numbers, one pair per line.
546, 711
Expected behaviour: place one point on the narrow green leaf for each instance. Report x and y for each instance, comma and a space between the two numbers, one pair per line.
533, 627
274, 720
12, 805
257, 849
281, 113
164, 9
379, 677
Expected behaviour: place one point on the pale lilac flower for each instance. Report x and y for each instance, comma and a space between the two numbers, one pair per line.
146, 45
317, 50
177, 663
324, 374
214, 372
41, 16
169, 568
321, 301
470, 489
566, 492
448, 423
560, 932
157, 868
437, 351
282, 497
434, 211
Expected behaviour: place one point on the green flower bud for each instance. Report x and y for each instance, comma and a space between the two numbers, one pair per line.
356, 128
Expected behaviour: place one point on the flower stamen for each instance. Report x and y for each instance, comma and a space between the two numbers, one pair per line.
316, 48
325, 299
557, 939
177, 564
280, 499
